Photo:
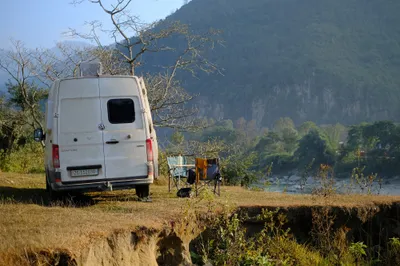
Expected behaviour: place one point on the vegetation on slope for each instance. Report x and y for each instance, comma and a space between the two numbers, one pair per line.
364, 151
323, 61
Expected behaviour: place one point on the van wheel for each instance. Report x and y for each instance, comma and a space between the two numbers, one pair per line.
47, 185
54, 196
50, 192
143, 191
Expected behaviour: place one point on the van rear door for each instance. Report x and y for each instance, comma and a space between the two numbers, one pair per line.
124, 133
80, 138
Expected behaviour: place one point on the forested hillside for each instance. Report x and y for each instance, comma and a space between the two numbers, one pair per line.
326, 61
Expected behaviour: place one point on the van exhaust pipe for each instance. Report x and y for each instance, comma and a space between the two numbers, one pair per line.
107, 186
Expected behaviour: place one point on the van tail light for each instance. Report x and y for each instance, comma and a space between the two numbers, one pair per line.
149, 149
56, 156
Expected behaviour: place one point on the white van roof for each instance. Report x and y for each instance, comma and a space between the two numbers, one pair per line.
101, 76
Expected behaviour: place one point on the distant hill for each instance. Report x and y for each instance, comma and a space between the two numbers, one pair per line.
322, 60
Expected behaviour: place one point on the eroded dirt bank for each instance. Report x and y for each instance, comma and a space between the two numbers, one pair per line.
169, 246
373, 225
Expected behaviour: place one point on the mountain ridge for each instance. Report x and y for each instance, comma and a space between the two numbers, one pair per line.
325, 61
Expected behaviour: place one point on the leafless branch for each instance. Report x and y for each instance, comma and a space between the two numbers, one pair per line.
133, 39
18, 63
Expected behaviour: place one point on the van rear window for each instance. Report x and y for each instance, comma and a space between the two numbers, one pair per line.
121, 111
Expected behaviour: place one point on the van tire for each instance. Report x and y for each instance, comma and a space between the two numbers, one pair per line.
47, 185
54, 196
143, 191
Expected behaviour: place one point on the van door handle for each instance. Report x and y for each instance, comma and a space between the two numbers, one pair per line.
113, 141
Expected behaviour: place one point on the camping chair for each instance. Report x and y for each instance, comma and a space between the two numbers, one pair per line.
207, 173
178, 169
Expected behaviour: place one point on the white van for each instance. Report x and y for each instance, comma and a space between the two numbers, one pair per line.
99, 135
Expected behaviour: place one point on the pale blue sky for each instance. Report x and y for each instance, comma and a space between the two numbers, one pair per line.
40, 23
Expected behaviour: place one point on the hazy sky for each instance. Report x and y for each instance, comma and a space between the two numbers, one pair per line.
40, 23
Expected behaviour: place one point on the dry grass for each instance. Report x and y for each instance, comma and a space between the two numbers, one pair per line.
27, 221
246, 198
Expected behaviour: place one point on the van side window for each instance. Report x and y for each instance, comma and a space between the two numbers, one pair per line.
121, 111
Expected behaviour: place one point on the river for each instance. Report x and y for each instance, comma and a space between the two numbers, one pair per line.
293, 185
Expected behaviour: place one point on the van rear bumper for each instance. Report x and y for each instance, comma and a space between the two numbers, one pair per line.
101, 185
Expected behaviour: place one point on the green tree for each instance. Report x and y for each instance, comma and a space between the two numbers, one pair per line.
289, 139
222, 130
177, 138
335, 133
228, 124
251, 130
381, 132
237, 169
395, 145
240, 124
370, 136
304, 128
177, 143
314, 146
283, 123
270, 143
355, 138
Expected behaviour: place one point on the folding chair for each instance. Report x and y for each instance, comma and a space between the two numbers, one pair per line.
207, 173
178, 169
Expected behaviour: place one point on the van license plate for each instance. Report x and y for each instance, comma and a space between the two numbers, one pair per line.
86, 172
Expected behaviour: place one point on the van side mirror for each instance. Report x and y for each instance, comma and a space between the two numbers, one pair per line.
38, 135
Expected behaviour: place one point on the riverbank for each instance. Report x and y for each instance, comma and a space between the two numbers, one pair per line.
112, 227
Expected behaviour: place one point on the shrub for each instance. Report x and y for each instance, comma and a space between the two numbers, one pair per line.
282, 162
357, 250
225, 243
393, 253
26, 159
236, 169
162, 164
325, 181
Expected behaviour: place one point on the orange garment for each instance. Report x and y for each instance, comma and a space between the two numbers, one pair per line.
201, 166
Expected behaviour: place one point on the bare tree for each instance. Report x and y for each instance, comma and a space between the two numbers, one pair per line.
62, 62
168, 99
133, 38
30, 73
25, 94
168, 103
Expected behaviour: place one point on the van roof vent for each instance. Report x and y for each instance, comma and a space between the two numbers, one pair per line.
92, 68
